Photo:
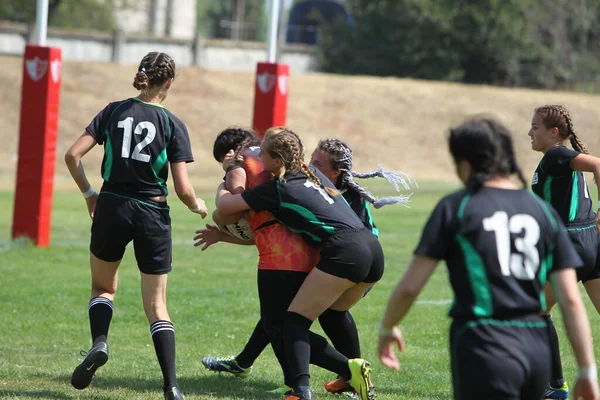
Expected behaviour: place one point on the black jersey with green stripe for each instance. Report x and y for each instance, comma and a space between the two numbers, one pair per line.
140, 139
564, 188
499, 246
303, 206
361, 208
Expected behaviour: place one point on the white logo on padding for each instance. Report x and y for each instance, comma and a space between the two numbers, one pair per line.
36, 68
55, 70
265, 82
282, 83
534, 181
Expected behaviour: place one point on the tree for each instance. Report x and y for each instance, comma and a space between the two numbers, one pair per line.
251, 13
98, 15
501, 42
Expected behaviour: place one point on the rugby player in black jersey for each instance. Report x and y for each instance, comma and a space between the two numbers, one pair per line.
141, 139
500, 243
351, 258
559, 180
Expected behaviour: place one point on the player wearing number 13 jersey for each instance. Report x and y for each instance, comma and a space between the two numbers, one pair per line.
141, 139
500, 244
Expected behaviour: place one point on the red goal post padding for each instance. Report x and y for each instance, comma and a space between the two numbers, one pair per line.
270, 96
40, 100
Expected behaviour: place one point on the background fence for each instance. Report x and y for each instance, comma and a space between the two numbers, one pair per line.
122, 48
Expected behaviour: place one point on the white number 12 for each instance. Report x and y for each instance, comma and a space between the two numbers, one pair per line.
522, 265
127, 125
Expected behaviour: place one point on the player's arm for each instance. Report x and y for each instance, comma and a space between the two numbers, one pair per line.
235, 181
73, 158
587, 163
407, 290
185, 190
222, 220
228, 203
419, 271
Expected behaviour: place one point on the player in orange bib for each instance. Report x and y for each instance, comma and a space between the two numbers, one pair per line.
280, 249
284, 258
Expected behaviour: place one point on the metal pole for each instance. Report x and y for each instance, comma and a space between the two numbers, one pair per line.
272, 38
41, 22
169, 18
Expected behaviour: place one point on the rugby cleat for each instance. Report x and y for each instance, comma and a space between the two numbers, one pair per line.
360, 378
94, 359
341, 387
173, 393
303, 395
560, 393
226, 364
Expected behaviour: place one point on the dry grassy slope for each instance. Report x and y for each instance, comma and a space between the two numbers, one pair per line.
399, 123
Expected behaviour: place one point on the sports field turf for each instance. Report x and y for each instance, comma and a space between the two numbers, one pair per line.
214, 306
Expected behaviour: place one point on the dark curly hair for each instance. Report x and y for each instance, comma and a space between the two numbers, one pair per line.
231, 139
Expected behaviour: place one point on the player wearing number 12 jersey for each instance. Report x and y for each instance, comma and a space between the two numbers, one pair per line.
500, 244
141, 139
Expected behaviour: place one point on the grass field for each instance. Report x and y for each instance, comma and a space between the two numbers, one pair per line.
213, 304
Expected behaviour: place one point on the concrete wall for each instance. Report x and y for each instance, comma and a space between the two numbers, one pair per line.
137, 19
123, 48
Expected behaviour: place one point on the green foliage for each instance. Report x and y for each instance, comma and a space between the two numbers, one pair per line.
212, 12
94, 14
17, 10
548, 43
85, 14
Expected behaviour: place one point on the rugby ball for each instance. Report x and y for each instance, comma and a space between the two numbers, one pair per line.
241, 229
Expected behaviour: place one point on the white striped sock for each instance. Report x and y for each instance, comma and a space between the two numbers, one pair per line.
161, 326
100, 300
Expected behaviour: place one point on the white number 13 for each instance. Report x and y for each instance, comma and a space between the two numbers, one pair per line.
525, 264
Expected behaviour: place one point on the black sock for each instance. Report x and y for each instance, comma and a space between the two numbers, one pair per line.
325, 356
163, 336
340, 328
557, 373
275, 333
297, 347
100, 312
256, 344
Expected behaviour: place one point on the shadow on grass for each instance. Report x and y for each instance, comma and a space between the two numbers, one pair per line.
217, 386
43, 394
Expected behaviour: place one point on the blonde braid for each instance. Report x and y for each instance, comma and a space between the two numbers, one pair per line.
573, 138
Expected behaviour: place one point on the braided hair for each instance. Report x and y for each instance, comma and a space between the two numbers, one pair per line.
557, 116
341, 159
284, 144
154, 70
488, 147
